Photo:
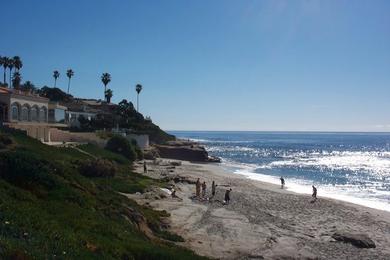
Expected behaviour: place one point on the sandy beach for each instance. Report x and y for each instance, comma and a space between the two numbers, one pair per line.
262, 221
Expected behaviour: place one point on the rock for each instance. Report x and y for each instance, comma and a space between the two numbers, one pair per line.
214, 159
358, 240
175, 163
151, 154
185, 151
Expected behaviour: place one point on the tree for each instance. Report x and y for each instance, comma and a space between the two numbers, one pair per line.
127, 115
69, 74
106, 78
55, 94
11, 64
56, 75
119, 144
18, 63
138, 88
16, 79
5, 61
108, 95
28, 86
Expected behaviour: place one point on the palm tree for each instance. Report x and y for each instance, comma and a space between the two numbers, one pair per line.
11, 64
56, 75
138, 88
69, 74
5, 61
108, 95
28, 86
106, 78
18, 63
16, 79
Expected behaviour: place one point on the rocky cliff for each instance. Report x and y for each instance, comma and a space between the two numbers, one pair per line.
185, 150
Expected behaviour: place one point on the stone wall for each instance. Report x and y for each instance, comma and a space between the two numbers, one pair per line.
142, 140
40, 132
57, 135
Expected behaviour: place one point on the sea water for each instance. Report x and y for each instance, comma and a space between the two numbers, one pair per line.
353, 167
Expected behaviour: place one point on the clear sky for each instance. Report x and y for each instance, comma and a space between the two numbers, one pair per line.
215, 65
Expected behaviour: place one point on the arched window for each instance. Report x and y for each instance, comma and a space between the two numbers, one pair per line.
34, 113
25, 113
43, 114
15, 111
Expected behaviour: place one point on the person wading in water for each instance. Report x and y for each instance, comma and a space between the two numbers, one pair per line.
314, 195
282, 182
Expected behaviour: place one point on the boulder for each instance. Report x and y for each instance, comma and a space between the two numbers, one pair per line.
358, 240
214, 159
185, 151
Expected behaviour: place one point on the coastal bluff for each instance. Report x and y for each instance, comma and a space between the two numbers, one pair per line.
185, 150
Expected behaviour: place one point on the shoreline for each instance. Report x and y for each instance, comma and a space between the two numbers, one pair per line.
262, 220
294, 187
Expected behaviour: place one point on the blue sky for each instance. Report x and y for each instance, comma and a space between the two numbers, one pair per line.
216, 65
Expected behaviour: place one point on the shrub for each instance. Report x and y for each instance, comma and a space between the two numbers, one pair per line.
5, 140
97, 168
24, 169
119, 144
138, 151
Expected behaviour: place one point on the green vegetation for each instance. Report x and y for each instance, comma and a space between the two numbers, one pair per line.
138, 89
48, 209
129, 118
69, 74
5, 141
120, 145
11, 63
55, 94
103, 153
56, 75
97, 168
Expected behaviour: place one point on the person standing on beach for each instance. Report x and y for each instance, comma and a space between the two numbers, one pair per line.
227, 196
213, 186
314, 195
282, 182
204, 189
145, 168
197, 188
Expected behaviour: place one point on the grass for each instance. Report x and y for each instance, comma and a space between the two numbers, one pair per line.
49, 210
103, 153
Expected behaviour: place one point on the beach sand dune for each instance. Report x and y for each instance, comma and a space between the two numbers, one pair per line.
263, 221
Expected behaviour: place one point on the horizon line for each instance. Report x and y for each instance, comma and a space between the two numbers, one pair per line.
285, 131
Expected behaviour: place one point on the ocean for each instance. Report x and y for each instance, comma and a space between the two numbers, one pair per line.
353, 167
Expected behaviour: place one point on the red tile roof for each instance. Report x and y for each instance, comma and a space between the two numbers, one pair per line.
4, 90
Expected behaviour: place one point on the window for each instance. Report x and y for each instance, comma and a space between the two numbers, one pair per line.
34, 114
42, 114
15, 112
25, 113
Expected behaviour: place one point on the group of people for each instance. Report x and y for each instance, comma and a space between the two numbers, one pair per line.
314, 194
201, 191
